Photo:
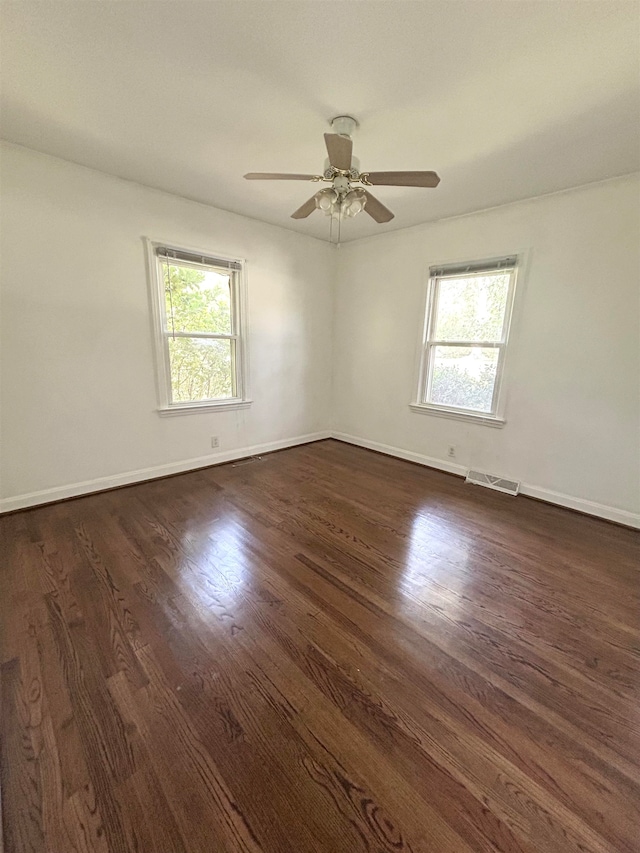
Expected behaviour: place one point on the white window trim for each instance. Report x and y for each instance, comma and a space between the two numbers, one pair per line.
161, 352
496, 417
457, 414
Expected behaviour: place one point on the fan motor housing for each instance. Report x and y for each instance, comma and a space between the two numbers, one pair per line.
355, 166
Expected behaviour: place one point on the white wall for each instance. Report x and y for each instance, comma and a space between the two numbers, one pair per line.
573, 384
78, 383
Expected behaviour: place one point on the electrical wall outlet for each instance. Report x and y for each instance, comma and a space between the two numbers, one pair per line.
215, 441
451, 451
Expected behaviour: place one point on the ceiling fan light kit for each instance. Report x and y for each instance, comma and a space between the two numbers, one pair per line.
354, 201
331, 203
342, 200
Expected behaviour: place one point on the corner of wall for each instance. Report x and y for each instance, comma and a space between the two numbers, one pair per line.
335, 270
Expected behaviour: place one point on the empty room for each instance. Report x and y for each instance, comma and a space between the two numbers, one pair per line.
320, 426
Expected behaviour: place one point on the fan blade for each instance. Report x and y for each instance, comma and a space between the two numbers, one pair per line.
376, 209
403, 179
306, 209
274, 176
339, 149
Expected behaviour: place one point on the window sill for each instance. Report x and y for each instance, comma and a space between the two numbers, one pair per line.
192, 408
441, 412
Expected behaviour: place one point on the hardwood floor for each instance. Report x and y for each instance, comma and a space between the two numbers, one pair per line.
322, 650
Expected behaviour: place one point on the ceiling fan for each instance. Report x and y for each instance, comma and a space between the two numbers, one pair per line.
342, 172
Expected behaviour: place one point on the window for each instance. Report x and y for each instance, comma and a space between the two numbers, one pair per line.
198, 312
465, 339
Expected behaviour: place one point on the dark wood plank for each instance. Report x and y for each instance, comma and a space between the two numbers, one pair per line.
325, 649
21, 791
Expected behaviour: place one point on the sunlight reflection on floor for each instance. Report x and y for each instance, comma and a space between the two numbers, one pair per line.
218, 566
436, 564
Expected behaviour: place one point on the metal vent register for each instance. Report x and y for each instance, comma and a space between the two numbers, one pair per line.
490, 481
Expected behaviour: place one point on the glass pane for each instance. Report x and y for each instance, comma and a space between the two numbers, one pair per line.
201, 369
197, 300
471, 309
464, 377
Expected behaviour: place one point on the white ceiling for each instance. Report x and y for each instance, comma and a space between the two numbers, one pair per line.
505, 99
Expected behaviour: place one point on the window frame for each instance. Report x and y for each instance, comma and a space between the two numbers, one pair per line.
162, 333
494, 417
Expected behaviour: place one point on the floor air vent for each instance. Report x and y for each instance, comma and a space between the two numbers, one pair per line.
247, 461
510, 487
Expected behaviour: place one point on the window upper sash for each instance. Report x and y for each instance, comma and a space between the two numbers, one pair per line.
469, 270
169, 257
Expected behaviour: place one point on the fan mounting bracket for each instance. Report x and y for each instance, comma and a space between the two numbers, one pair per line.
344, 125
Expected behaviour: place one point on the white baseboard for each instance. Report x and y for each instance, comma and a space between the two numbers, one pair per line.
611, 513
621, 516
127, 478
58, 493
409, 455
